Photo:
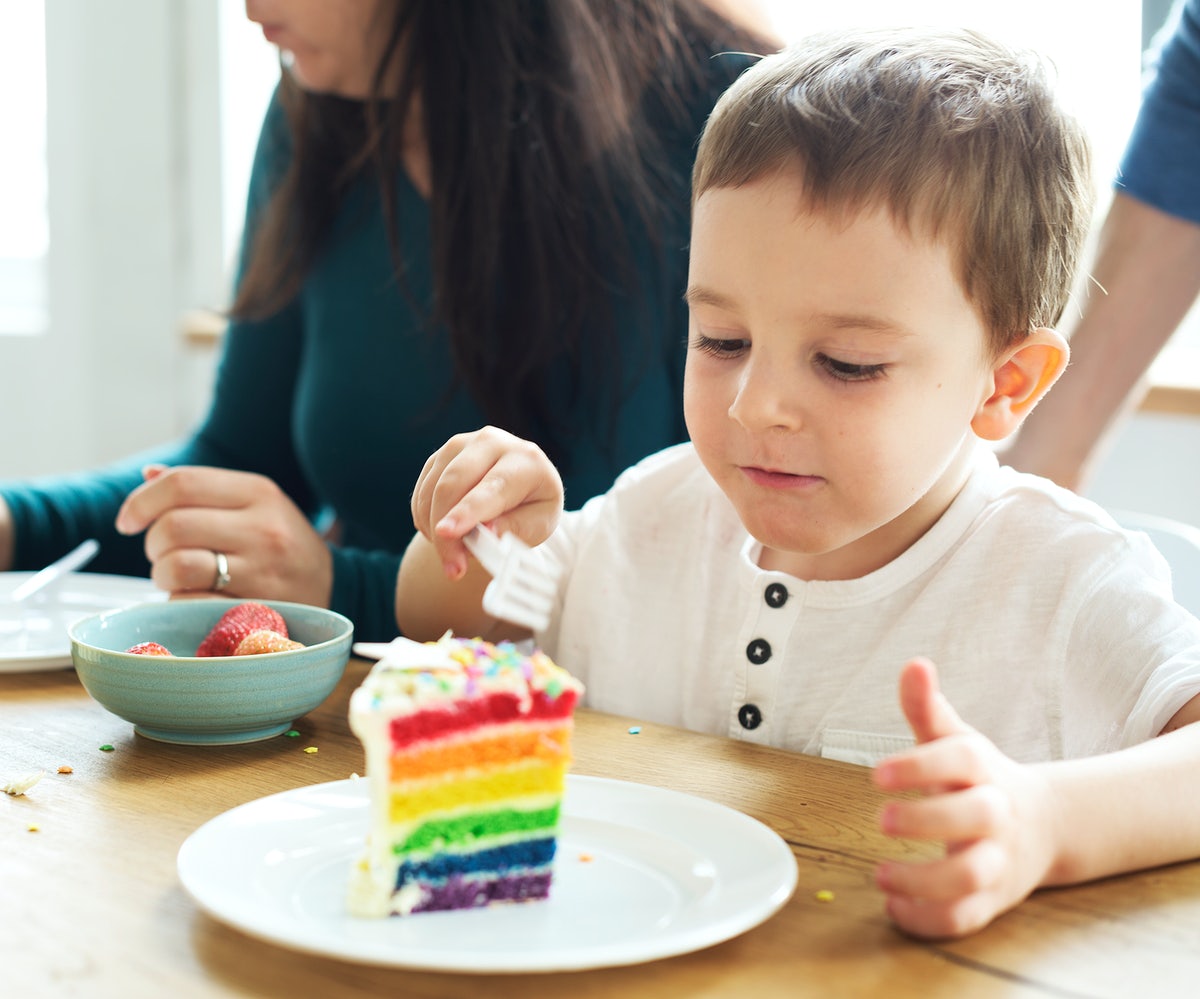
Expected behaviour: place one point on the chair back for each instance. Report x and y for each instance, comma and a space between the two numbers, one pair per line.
1179, 544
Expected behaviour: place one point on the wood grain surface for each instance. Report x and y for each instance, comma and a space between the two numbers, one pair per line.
92, 905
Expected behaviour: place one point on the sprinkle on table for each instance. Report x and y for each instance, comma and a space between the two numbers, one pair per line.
64, 769
310, 750
291, 733
586, 858
635, 729
824, 895
107, 748
33, 827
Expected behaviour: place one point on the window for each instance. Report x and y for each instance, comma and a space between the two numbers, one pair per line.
249, 71
25, 234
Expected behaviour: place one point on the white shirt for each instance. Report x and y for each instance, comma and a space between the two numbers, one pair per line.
1053, 630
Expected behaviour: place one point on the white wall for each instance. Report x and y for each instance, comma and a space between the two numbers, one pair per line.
1153, 466
131, 100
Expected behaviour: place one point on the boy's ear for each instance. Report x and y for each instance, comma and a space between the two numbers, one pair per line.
1019, 380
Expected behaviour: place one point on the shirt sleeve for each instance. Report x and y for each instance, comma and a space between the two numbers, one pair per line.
1161, 164
1137, 654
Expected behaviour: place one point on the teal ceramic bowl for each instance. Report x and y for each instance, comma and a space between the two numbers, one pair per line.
218, 700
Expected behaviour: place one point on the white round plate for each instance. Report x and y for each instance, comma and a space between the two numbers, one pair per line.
641, 873
33, 636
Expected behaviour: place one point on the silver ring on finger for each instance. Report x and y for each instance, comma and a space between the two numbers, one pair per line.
221, 579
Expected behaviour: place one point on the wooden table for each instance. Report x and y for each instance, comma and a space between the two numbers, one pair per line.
91, 905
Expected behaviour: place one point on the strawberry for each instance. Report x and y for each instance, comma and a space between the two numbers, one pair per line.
236, 623
258, 642
149, 649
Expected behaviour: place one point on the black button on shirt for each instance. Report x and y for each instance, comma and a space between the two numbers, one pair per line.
776, 595
749, 716
758, 651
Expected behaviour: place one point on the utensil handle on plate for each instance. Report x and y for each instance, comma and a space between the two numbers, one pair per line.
76, 558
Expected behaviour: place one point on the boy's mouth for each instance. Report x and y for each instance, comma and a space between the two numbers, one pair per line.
775, 479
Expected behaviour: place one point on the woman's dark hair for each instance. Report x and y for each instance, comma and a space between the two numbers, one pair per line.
534, 114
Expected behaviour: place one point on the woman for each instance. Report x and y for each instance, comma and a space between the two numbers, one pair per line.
459, 212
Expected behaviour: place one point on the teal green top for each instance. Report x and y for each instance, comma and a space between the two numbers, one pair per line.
342, 396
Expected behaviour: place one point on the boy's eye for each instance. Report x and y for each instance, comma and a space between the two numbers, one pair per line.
719, 346
848, 372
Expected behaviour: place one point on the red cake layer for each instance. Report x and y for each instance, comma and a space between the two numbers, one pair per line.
433, 723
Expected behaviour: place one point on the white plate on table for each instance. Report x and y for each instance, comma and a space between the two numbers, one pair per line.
33, 636
641, 873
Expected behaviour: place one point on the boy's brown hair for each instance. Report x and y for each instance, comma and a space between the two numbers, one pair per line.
956, 134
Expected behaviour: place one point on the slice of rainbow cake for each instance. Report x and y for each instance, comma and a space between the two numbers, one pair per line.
467, 746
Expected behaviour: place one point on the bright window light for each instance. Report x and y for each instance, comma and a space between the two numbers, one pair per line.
25, 230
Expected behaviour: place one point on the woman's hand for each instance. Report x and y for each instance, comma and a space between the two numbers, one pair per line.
995, 817
491, 477
190, 513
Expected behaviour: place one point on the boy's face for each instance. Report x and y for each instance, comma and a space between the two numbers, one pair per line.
833, 371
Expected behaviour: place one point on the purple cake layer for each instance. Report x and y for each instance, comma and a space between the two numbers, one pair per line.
467, 893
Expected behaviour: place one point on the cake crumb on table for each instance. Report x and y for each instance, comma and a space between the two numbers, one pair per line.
64, 769
22, 784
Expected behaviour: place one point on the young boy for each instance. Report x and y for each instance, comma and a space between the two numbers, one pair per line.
885, 227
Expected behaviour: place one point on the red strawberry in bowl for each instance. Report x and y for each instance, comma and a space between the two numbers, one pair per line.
238, 622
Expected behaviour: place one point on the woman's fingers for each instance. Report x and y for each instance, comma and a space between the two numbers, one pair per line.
194, 570
190, 514
184, 486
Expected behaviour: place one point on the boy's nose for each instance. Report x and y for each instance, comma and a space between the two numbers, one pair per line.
767, 397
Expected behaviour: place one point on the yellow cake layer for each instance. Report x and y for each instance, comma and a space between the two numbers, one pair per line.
496, 747
409, 802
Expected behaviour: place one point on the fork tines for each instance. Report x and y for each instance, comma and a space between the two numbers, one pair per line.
521, 591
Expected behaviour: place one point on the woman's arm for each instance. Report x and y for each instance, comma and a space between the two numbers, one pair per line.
1146, 277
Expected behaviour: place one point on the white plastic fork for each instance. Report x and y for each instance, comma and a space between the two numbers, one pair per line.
76, 558
521, 591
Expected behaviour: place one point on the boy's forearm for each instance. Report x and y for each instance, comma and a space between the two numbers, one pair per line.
1128, 810
428, 603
